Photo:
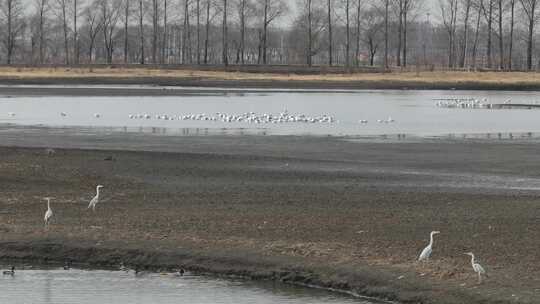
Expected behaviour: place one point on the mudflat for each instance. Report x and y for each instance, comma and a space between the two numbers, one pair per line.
324, 211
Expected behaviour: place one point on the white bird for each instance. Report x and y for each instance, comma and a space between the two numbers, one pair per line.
426, 253
48, 213
95, 200
97, 115
11, 114
477, 267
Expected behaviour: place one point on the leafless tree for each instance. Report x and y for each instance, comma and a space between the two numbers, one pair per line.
529, 8
372, 30
42, 7
141, 32
271, 9
463, 58
93, 26
110, 14
511, 35
76, 47
225, 32
12, 15
330, 40
62, 8
449, 10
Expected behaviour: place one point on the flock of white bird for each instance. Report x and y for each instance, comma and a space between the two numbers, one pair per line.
247, 117
466, 103
426, 254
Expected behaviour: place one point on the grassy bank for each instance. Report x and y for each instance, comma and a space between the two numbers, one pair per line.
301, 210
279, 79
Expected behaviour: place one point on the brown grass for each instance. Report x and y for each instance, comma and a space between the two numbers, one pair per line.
438, 77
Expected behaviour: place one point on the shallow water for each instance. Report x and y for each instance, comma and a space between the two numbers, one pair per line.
74, 286
414, 112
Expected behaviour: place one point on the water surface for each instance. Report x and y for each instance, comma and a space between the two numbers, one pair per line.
413, 112
74, 286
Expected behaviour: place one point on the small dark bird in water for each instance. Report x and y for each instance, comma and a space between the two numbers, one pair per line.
67, 265
10, 272
137, 270
180, 272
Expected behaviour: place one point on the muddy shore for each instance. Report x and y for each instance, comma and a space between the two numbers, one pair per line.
309, 210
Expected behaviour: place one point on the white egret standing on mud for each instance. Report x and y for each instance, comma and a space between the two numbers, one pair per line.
95, 200
48, 213
426, 253
477, 267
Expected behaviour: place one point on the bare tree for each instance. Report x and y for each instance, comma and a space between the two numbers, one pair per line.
463, 59
110, 14
449, 9
476, 34
372, 30
76, 47
272, 9
93, 26
529, 8
358, 34
199, 31
155, 29
207, 31
42, 10
408, 6
186, 36
347, 33
62, 7
126, 28
141, 32
12, 13
386, 6
511, 38
330, 41
488, 14
501, 37
399, 12
225, 30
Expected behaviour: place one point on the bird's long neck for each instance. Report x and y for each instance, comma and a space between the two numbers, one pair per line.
97, 191
431, 239
472, 259
48, 204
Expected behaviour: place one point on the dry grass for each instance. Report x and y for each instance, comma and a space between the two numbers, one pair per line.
422, 77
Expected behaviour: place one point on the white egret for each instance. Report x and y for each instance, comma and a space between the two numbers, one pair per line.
97, 115
426, 253
10, 272
477, 267
48, 213
95, 200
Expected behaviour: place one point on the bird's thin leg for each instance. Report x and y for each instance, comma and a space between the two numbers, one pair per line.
479, 278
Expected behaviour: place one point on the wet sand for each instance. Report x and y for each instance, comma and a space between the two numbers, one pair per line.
310, 210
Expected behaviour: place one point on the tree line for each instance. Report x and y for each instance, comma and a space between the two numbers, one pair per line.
456, 34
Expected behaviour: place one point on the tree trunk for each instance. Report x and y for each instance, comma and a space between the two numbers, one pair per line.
465, 35
126, 19
207, 29
357, 53
41, 28
265, 31
348, 35
330, 33
386, 3
530, 43
199, 31
501, 45
225, 55
64, 25
489, 29
511, 38
141, 30
310, 42
400, 29
477, 31
164, 44
154, 30
76, 48
404, 63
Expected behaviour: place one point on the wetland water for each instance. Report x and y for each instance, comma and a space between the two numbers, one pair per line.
413, 112
43, 286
